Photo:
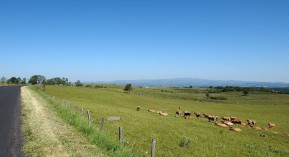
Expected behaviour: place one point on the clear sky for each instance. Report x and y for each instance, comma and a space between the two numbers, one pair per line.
103, 40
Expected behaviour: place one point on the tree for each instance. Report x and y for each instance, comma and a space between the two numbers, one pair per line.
36, 79
207, 94
18, 80
12, 80
23, 81
128, 88
245, 92
3, 80
78, 83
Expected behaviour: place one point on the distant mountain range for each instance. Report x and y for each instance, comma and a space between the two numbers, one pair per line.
195, 82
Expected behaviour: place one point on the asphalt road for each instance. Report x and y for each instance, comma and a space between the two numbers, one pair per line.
10, 122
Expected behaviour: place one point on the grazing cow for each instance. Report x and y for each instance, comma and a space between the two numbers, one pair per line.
235, 129
256, 128
197, 114
206, 115
187, 113
236, 121
213, 118
221, 125
251, 123
233, 118
271, 125
178, 113
226, 118
151, 110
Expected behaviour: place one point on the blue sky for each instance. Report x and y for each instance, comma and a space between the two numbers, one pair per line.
103, 40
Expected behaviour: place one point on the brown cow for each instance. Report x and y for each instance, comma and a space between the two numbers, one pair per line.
233, 118
251, 123
235, 129
213, 118
236, 121
271, 125
256, 128
206, 115
197, 114
188, 117
226, 118
178, 113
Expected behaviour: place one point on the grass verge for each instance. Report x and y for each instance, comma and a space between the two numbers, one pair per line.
95, 135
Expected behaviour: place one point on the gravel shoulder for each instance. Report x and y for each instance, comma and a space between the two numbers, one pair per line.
46, 134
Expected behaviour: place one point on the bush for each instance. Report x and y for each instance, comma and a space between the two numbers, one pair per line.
185, 142
218, 98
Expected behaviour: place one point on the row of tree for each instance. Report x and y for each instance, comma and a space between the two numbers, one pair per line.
38, 79
13, 80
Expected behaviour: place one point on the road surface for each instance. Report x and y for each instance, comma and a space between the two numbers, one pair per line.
10, 122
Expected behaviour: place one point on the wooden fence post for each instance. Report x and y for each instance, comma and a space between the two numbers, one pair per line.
153, 148
120, 134
76, 108
88, 117
81, 111
102, 122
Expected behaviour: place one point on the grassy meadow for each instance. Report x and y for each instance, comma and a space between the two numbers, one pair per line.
180, 137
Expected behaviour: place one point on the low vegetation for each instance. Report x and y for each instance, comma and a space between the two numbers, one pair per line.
180, 137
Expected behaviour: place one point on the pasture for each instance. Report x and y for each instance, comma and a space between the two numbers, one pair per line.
180, 137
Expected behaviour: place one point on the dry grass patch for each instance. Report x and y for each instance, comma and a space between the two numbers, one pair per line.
46, 134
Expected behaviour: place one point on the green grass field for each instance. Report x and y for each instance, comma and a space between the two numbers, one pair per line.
201, 138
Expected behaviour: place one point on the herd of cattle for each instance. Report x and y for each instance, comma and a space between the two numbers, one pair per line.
225, 121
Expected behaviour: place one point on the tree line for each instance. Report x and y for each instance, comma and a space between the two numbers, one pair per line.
39, 80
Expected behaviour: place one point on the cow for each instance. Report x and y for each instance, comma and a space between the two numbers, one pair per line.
138, 108
226, 118
187, 115
227, 123
206, 115
235, 129
197, 114
178, 113
236, 121
271, 125
221, 125
163, 113
251, 123
256, 128
212, 118
151, 110
233, 118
